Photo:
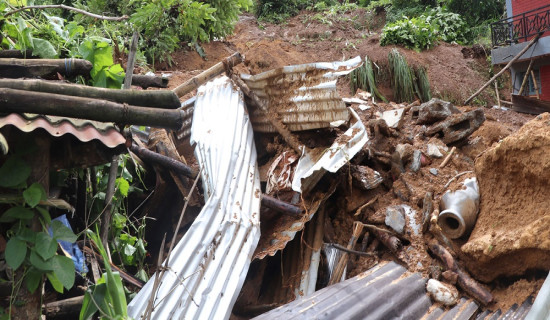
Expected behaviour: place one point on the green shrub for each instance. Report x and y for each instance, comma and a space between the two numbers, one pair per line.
363, 78
414, 33
425, 30
402, 77
477, 12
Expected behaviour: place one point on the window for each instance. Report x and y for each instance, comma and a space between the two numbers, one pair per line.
529, 89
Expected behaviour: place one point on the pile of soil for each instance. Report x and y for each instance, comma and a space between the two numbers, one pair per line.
514, 180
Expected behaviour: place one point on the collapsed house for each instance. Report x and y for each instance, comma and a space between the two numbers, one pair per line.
303, 190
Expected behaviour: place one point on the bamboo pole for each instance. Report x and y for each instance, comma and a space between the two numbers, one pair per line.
525, 77
207, 75
165, 99
131, 61
531, 43
30, 68
145, 81
19, 101
535, 84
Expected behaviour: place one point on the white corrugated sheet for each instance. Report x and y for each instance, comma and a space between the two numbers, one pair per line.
345, 147
304, 96
208, 266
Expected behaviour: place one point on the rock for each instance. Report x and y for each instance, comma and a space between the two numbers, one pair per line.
395, 218
433, 111
442, 292
433, 171
458, 127
365, 177
450, 276
392, 117
416, 162
433, 151
405, 151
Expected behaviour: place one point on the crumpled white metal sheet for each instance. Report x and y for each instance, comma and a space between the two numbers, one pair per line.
346, 146
209, 264
304, 96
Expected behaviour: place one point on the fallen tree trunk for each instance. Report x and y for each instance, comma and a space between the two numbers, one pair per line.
464, 280
19, 101
31, 68
149, 81
164, 99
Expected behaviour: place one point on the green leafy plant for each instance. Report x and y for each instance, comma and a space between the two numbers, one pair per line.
423, 84
414, 33
105, 73
107, 296
33, 251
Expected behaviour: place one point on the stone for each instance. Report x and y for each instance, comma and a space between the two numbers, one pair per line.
433, 151
405, 151
365, 177
416, 161
433, 171
433, 111
392, 117
442, 292
395, 218
450, 276
458, 127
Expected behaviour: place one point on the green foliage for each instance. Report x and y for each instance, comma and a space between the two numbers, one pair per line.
107, 296
423, 87
402, 77
363, 78
477, 12
104, 73
424, 31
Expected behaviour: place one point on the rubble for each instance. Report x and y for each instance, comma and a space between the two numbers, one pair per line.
458, 126
433, 151
433, 111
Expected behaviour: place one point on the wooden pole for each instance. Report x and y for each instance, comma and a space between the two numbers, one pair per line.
207, 75
531, 43
164, 99
167, 162
131, 61
68, 308
525, 77
145, 81
535, 84
496, 91
19, 101
272, 116
30, 68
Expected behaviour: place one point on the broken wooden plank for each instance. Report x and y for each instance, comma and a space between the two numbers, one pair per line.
529, 105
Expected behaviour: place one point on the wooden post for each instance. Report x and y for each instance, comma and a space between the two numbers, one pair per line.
525, 77
20, 101
207, 75
131, 61
496, 91
532, 42
535, 84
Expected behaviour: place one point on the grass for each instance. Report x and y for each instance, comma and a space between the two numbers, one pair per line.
402, 78
363, 78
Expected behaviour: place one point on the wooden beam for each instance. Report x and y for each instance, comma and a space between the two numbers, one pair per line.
164, 99
525, 77
208, 74
19, 101
535, 84
31, 68
531, 43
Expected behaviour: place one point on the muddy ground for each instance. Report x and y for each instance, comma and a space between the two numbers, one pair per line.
454, 73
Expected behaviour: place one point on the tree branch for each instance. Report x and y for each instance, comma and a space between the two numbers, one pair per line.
62, 6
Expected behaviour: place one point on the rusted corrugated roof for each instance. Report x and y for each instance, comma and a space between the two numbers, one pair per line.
83, 130
304, 96
209, 264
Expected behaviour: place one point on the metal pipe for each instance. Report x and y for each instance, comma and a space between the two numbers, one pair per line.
458, 210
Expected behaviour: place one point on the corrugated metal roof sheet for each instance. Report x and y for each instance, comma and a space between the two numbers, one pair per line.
83, 130
208, 266
304, 96
383, 292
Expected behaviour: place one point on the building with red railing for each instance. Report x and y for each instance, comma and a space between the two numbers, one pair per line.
526, 19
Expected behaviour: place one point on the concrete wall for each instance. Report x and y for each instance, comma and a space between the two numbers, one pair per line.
502, 55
